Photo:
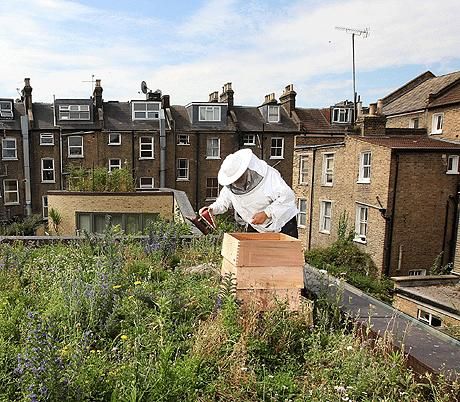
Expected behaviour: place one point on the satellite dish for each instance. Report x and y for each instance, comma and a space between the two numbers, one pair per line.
144, 88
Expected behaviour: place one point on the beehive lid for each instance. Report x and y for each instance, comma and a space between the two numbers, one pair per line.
262, 249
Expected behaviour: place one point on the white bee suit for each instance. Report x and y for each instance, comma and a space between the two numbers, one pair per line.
271, 195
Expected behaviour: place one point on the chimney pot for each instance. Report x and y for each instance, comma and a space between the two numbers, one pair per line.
380, 106
27, 82
214, 96
98, 83
372, 108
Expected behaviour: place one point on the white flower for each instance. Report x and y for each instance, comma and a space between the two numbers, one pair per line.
340, 389
349, 348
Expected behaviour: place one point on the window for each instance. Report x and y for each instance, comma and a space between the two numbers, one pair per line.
436, 124
213, 148
74, 112
328, 170
45, 206
183, 139
362, 213
209, 113
365, 168
146, 148
182, 169
249, 139
303, 169
6, 109
429, 318
414, 122
325, 217
212, 188
341, 115
146, 110
417, 272
48, 170
9, 150
452, 164
129, 223
114, 139
302, 215
46, 139
11, 192
76, 146
146, 182
277, 148
114, 164
273, 113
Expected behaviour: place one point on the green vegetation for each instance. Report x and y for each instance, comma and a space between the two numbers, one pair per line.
113, 319
99, 179
23, 227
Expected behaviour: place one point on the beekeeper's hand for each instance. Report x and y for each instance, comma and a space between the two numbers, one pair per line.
259, 218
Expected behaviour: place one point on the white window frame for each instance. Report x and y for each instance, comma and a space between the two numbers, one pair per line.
209, 113
44, 139
417, 272
70, 147
428, 320
147, 144
212, 188
365, 171
276, 147
183, 139
111, 140
45, 207
210, 148
140, 110
43, 170
436, 121
186, 168
302, 214
273, 114
328, 169
413, 121
325, 220
114, 164
303, 169
249, 140
361, 223
453, 161
7, 192
6, 113
74, 112
5, 149
146, 182
341, 115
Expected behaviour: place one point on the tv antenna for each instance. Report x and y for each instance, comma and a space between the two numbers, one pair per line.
92, 82
360, 32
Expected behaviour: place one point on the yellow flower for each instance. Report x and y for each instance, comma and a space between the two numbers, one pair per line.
124, 337
137, 282
116, 286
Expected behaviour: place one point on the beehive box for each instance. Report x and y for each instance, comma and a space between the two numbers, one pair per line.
267, 268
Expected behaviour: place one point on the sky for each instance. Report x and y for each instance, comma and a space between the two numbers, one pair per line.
190, 48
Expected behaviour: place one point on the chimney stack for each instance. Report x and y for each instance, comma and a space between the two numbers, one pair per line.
380, 107
287, 99
270, 98
372, 109
27, 94
227, 94
372, 123
165, 103
214, 97
97, 95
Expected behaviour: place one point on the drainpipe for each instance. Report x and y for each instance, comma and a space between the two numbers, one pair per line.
162, 149
312, 180
389, 236
133, 168
453, 241
61, 167
197, 187
26, 156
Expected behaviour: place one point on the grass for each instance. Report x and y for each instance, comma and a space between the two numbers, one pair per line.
108, 320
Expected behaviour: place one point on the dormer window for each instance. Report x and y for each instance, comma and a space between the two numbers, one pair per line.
146, 110
341, 115
273, 113
209, 113
74, 112
6, 109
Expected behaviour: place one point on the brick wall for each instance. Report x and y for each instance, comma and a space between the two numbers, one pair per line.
451, 122
404, 120
67, 204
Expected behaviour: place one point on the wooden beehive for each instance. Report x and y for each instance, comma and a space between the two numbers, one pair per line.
267, 268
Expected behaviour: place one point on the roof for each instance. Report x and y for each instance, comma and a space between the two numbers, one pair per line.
318, 121
409, 142
15, 123
445, 295
449, 97
118, 116
182, 120
250, 119
43, 115
417, 98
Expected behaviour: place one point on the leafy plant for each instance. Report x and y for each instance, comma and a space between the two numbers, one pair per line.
22, 227
56, 219
99, 179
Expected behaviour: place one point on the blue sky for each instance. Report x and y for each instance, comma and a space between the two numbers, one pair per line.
191, 48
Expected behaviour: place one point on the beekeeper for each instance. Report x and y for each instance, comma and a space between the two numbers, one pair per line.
257, 193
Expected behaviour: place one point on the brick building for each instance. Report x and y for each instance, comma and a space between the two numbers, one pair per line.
399, 191
428, 102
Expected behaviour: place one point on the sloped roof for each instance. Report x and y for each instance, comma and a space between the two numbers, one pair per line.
180, 115
15, 122
43, 115
416, 142
250, 119
417, 98
449, 97
318, 121
118, 116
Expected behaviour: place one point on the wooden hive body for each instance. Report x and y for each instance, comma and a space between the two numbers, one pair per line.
267, 268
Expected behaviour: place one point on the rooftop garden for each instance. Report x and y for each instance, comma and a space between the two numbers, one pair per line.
112, 318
